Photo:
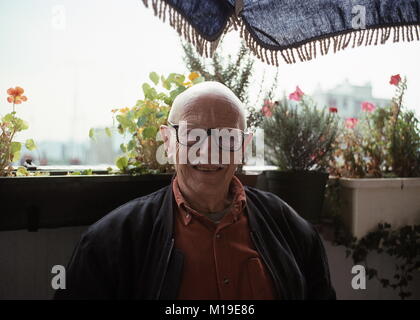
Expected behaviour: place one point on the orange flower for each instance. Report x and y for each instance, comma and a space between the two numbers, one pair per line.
114, 110
16, 95
124, 110
193, 75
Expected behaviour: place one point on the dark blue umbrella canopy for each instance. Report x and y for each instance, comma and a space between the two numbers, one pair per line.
292, 29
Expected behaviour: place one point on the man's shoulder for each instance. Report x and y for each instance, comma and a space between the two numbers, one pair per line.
272, 206
131, 216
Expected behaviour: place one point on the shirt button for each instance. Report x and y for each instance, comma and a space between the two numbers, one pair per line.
226, 281
187, 215
218, 235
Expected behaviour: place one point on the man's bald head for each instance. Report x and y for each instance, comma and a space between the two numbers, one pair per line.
213, 101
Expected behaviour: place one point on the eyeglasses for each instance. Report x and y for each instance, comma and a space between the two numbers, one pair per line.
227, 139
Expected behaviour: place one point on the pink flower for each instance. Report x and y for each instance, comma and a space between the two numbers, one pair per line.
266, 111
395, 80
368, 107
333, 109
267, 108
351, 122
297, 95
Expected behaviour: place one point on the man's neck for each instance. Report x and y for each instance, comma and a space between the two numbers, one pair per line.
206, 203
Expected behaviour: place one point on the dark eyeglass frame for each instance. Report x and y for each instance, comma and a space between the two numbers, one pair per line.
244, 134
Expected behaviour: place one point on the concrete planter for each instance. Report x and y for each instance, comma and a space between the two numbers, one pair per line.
367, 202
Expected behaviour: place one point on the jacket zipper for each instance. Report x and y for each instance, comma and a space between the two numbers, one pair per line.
266, 260
166, 268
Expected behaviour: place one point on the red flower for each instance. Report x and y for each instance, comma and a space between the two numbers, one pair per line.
367, 106
297, 95
395, 80
16, 95
333, 110
351, 122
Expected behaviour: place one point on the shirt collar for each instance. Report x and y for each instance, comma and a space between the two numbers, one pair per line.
235, 188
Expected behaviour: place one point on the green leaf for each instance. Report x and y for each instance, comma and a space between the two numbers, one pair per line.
154, 77
168, 101
161, 96
126, 123
123, 147
149, 133
20, 124
179, 79
160, 114
166, 84
9, 117
122, 163
141, 121
30, 144
146, 88
174, 93
16, 156
131, 145
108, 132
152, 94
21, 171
15, 147
92, 133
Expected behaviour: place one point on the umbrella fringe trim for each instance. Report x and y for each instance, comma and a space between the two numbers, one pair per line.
165, 12
304, 52
309, 50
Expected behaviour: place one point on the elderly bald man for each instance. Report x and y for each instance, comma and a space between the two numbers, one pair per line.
205, 236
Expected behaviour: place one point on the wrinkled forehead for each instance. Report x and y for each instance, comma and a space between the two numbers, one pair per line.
211, 112
209, 109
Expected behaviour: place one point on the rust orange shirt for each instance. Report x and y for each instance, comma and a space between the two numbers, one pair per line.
220, 260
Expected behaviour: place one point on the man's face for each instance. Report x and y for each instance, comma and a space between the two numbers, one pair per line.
202, 113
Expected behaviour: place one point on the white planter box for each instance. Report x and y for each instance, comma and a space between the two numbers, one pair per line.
367, 202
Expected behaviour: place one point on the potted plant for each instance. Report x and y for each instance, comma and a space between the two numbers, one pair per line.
300, 140
10, 125
140, 124
377, 161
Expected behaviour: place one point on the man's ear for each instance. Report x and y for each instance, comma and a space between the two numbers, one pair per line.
165, 133
168, 140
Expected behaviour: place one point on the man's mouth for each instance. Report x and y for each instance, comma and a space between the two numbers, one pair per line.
204, 168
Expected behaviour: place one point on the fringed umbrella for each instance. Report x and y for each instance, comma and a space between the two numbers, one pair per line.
292, 29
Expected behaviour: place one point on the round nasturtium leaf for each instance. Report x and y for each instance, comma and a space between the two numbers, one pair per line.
149, 132
30, 144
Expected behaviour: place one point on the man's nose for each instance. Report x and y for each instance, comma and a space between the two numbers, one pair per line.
206, 151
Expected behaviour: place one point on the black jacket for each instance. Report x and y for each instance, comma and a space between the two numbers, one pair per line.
130, 254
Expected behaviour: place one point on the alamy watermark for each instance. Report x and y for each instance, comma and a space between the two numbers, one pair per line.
59, 280
358, 282
58, 17
358, 20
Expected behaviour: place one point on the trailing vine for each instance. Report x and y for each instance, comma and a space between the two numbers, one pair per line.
401, 243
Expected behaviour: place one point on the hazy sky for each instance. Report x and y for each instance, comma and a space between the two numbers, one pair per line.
74, 71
